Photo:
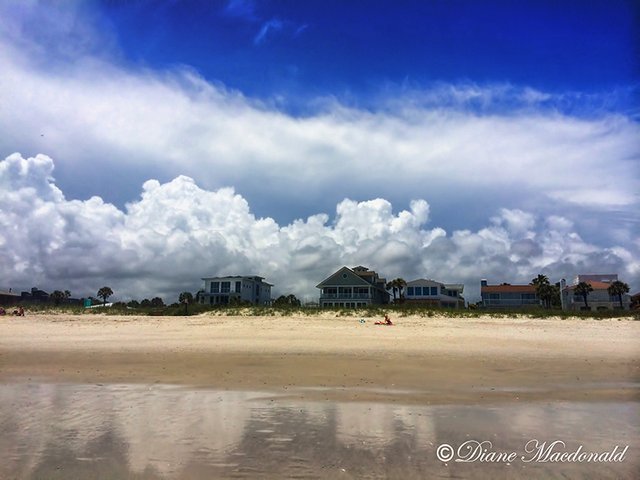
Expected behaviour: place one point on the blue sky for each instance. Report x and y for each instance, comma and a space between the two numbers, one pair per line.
359, 50
444, 139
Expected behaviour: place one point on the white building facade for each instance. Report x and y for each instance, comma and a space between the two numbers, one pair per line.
234, 289
437, 294
598, 299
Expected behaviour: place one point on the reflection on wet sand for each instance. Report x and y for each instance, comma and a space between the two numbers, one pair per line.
139, 432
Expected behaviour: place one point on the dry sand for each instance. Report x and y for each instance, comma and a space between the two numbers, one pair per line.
418, 360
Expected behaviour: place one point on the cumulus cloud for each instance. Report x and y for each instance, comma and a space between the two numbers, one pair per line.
515, 180
176, 232
109, 125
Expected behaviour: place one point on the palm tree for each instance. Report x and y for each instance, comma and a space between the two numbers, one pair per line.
618, 289
543, 289
57, 297
186, 298
401, 283
393, 286
104, 293
583, 289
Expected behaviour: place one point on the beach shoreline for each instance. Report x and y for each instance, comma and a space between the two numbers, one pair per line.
417, 361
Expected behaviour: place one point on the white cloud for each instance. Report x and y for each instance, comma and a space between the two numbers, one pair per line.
269, 26
96, 116
177, 232
543, 190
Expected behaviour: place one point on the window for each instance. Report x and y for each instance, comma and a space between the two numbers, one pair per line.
215, 287
361, 292
434, 291
494, 296
238, 287
344, 291
225, 287
409, 291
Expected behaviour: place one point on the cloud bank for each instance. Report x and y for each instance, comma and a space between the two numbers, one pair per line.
176, 232
110, 125
518, 181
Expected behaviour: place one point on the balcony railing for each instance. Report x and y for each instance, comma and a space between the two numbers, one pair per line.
345, 295
511, 301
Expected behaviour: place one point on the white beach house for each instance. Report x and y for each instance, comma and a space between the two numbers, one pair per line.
231, 289
437, 294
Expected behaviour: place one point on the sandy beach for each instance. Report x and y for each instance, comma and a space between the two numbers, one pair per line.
131, 397
418, 360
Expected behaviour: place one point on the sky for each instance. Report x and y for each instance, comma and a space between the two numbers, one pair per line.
147, 144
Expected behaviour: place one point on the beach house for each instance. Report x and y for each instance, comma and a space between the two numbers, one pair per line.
236, 289
598, 299
432, 293
506, 295
9, 298
352, 288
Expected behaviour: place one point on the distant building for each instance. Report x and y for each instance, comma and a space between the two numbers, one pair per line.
595, 277
437, 294
9, 298
598, 299
230, 289
353, 288
35, 296
506, 295
635, 301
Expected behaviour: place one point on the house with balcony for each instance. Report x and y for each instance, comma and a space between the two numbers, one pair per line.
598, 299
234, 289
506, 295
355, 287
432, 293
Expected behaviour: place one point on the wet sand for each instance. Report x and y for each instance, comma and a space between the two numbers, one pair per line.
417, 361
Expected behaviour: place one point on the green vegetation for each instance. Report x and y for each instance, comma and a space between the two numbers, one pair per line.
397, 286
287, 301
618, 289
583, 289
156, 307
185, 298
104, 293
549, 294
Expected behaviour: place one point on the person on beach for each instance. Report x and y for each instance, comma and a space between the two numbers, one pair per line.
2, 311
386, 321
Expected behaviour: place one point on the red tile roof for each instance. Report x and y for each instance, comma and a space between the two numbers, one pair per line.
508, 289
594, 284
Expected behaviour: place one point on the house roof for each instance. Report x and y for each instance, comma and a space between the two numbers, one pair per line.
249, 277
12, 294
350, 278
594, 284
508, 289
420, 281
255, 278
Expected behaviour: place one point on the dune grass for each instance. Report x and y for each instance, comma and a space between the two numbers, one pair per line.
397, 311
